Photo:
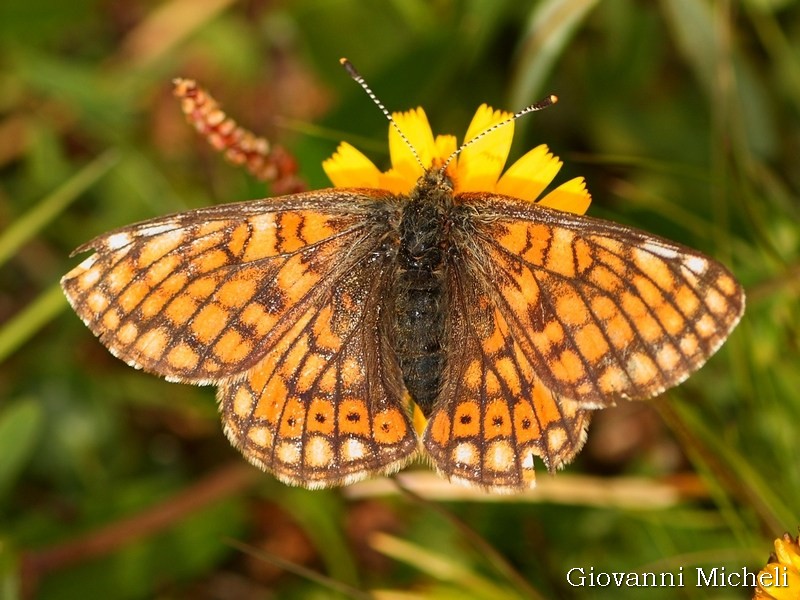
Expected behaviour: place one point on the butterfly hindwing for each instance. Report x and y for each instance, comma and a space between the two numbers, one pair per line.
323, 407
493, 413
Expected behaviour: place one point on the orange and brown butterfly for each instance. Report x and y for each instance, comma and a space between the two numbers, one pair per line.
503, 312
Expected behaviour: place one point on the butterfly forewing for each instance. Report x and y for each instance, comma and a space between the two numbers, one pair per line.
202, 295
602, 311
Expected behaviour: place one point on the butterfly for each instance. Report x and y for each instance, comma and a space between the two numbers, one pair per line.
506, 315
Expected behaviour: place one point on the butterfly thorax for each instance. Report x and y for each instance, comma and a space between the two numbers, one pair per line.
421, 301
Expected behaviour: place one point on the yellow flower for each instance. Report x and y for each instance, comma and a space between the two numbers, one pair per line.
478, 168
780, 578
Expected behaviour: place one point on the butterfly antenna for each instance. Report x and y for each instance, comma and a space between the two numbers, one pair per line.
541, 104
351, 70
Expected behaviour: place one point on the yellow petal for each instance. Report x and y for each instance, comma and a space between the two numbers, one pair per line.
571, 196
419, 420
484, 118
779, 591
788, 551
394, 182
348, 167
445, 146
414, 125
480, 163
527, 178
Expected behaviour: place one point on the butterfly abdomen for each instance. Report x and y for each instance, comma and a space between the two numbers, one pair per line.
420, 303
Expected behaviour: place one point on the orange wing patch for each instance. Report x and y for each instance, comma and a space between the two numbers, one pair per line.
324, 407
603, 312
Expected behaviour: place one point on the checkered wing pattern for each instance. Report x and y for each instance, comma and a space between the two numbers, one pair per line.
202, 295
494, 414
552, 314
322, 408
276, 301
603, 312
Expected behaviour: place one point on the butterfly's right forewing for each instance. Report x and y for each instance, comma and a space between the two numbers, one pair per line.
604, 312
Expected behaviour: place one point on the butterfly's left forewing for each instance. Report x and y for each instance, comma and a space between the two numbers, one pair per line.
201, 295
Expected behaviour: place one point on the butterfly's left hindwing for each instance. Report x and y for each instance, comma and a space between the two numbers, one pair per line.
324, 406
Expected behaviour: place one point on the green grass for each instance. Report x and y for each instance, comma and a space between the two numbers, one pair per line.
682, 115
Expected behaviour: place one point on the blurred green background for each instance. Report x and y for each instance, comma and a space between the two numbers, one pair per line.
682, 115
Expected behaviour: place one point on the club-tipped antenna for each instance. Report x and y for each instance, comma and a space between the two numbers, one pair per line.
541, 104
351, 70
